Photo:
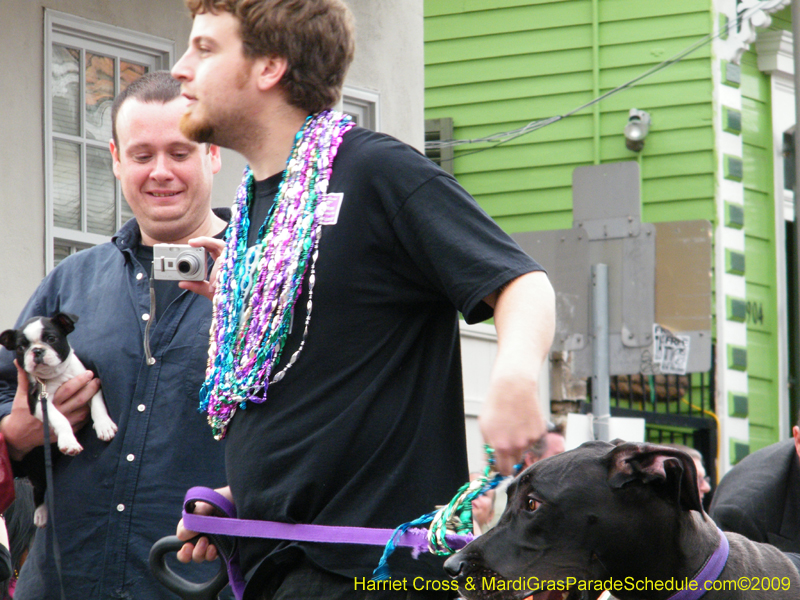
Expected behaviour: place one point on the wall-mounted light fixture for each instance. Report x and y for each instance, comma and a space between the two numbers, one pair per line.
636, 129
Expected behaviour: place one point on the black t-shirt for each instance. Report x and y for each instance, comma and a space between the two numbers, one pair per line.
367, 428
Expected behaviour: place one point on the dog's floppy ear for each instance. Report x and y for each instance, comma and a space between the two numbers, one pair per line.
9, 339
667, 468
65, 322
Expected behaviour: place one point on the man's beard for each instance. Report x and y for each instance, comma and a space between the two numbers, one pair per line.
198, 131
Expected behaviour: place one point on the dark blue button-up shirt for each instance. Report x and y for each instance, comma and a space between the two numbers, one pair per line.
115, 499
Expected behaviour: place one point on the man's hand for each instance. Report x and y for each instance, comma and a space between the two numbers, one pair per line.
511, 421
524, 315
214, 247
23, 431
202, 550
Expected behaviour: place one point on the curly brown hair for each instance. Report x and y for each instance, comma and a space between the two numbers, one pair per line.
316, 37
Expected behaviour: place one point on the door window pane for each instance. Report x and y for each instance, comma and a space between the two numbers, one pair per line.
99, 96
128, 73
66, 185
66, 90
101, 214
63, 250
60, 252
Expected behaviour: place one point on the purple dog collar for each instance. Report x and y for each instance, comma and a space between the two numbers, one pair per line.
710, 571
416, 539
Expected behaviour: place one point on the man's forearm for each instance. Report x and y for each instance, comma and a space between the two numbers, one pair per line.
525, 321
525, 318
18, 442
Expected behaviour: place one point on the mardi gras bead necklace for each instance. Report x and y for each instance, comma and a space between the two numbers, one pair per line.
257, 288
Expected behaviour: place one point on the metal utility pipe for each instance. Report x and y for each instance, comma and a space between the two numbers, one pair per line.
601, 404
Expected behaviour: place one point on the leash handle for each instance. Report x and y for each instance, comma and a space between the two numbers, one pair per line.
187, 590
229, 571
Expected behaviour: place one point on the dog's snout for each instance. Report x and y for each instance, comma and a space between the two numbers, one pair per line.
38, 354
454, 565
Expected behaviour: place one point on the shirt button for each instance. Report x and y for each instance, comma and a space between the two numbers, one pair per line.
130, 457
139, 276
145, 317
120, 507
141, 407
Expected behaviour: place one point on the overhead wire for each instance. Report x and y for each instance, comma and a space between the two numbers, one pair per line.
507, 136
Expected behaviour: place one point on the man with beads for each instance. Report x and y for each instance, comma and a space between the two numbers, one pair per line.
115, 499
335, 370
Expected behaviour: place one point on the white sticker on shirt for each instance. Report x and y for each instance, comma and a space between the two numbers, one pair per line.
328, 208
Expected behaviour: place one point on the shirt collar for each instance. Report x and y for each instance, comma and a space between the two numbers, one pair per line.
129, 235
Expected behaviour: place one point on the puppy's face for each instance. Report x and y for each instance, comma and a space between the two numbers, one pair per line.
40, 345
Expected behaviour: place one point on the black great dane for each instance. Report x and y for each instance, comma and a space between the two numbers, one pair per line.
625, 518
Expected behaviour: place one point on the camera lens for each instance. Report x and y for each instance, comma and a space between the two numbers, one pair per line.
188, 265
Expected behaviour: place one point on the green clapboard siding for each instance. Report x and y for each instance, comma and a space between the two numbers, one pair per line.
497, 65
760, 257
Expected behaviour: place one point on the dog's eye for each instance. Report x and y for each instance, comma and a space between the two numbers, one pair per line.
532, 504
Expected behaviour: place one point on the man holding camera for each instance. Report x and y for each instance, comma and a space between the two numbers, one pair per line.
115, 499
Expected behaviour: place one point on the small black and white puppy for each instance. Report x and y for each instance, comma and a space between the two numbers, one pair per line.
42, 349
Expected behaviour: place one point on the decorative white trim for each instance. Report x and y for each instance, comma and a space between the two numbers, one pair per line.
751, 14
774, 50
726, 238
161, 49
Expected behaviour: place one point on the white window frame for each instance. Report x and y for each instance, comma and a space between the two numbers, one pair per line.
85, 35
363, 104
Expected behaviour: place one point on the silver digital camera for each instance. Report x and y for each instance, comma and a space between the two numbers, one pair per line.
179, 262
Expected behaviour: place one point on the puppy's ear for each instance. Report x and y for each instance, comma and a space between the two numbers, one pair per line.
65, 322
9, 339
667, 469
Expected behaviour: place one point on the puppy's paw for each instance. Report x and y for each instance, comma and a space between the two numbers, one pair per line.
40, 516
68, 444
106, 429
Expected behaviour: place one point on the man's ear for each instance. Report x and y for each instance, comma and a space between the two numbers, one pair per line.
112, 147
796, 435
669, 471
214, 154
269, 71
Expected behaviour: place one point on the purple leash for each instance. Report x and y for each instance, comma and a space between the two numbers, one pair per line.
230, 526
